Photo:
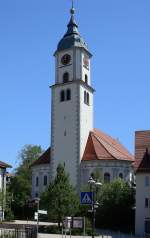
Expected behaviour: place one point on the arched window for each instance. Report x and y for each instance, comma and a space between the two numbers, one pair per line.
37, 181
87, 98
121, 175
62, 96
45, 180
68, 94
65, 77
84, 96
86, 79
106, 178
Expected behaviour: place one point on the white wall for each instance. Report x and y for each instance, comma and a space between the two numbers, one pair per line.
106, 166
142, 192
75, 119
40, 171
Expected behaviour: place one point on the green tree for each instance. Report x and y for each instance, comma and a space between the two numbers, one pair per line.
116, 209
20, 186
60, 199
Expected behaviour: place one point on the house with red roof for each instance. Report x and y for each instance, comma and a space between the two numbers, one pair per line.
142, 167
74, 141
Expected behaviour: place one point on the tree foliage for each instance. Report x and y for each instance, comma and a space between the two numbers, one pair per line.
116, 206
20, 186
60, 199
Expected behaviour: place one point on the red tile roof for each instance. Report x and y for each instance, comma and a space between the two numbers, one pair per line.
103, 147
142, 142
144, 165
43, 159
4, 165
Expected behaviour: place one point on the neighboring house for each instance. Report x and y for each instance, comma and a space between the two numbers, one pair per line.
3, 176
142, 164
74, 141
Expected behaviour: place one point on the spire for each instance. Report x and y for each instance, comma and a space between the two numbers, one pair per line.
72, 26
72, 37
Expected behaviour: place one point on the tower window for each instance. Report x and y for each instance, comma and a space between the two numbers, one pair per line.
45, 180
66, 77
68, 94
62, 96
86, 79
106, 178
37, 181
86, 98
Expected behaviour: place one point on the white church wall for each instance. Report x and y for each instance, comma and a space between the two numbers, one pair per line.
86, 122
65, 130
114, 168
40, 171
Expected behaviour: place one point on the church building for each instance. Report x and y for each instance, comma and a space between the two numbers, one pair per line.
74, 141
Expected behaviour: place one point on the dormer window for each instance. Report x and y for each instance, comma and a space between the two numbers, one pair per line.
66, 77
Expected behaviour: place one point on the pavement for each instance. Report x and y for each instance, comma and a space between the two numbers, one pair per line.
60, 236
25, 222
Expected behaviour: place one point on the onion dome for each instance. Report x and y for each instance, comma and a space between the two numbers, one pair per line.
72, 37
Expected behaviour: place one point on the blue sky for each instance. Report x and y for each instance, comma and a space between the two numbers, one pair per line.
118, 35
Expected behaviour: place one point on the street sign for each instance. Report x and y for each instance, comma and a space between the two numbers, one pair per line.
86, 198
42, 212
78, 222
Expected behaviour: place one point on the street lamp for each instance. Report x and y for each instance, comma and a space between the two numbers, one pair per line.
37, 201
94, 185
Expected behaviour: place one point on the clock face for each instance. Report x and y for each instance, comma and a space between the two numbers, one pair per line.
86, 61
65, 59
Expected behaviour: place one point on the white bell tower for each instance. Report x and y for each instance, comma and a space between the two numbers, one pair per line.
72, 102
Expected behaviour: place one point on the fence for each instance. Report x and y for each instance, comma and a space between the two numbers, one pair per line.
18, 232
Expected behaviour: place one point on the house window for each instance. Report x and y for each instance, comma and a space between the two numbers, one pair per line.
36, 195
37, 181
147, 202
147, 225
65, 77
62, 96
147, 182
121, 175
68, 94
86, 79
106, 178
45, 180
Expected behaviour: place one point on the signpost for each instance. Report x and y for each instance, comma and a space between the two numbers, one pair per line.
42, 212
86, 198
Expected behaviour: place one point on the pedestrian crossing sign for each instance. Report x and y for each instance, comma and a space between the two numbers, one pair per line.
86, 198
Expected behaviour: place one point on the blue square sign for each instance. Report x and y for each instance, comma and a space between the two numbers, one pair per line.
86, 198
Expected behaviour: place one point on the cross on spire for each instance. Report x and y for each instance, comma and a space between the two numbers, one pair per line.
72, 3
72, 11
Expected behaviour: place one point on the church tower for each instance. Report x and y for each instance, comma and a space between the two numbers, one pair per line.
72, 102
